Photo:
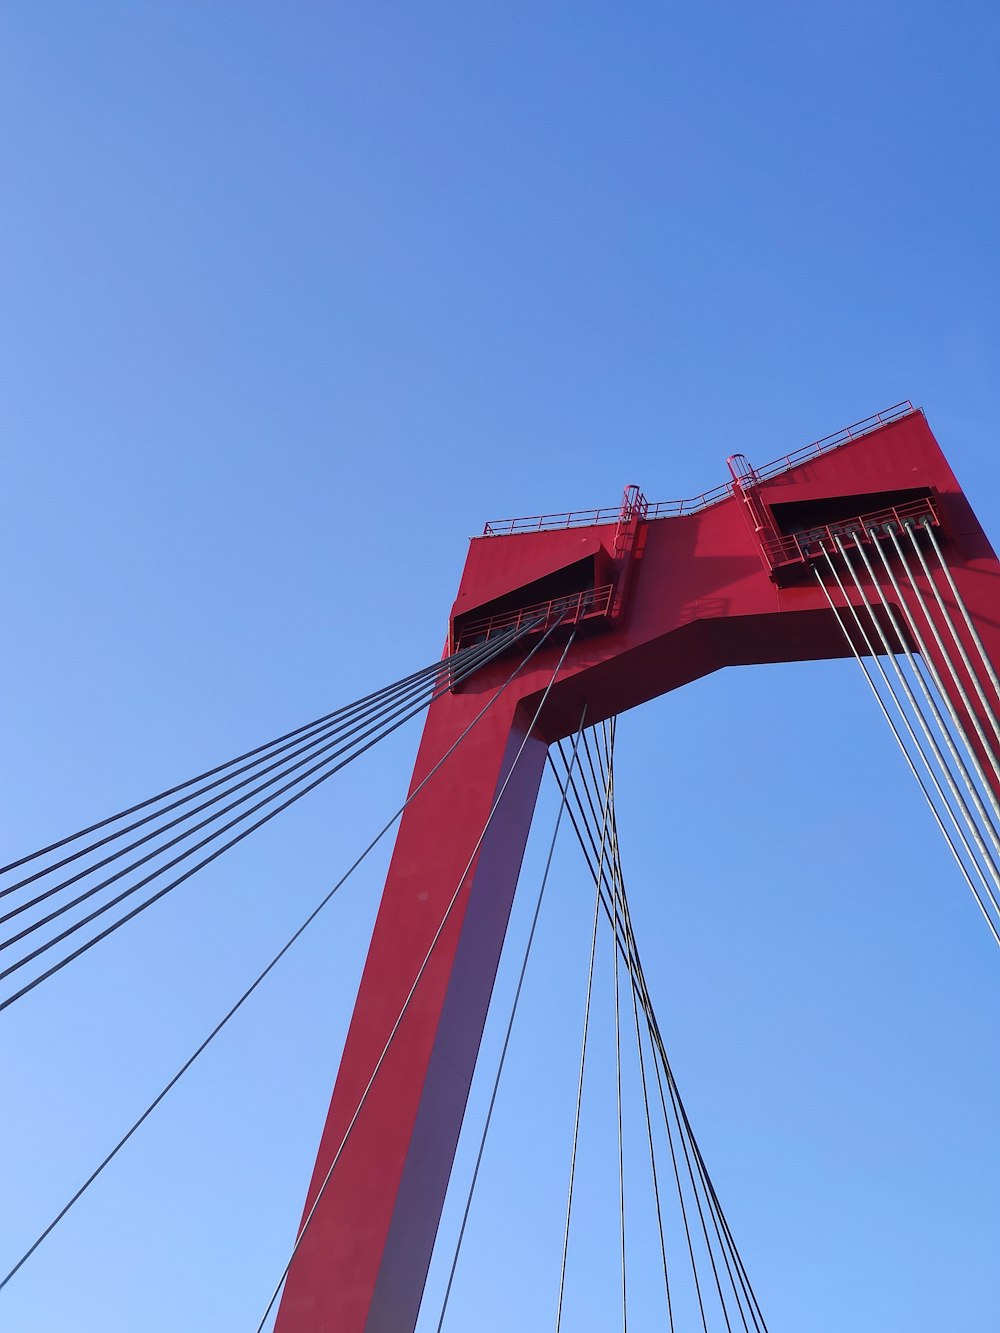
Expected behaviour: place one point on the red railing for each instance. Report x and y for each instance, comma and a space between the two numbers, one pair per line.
678, 508
574, 518
566, 610
587, 518
811, 543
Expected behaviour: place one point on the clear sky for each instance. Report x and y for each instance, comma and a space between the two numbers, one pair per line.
294, 297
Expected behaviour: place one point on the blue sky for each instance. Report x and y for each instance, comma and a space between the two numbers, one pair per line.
294, 297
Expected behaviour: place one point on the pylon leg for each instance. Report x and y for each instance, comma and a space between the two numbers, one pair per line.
364, 1259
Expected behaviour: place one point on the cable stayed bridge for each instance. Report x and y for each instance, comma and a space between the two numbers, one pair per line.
861, 546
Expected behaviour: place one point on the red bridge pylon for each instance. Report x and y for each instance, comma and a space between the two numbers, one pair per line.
658, 595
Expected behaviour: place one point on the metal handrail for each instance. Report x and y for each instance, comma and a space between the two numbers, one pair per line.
812, 542
588, 518
569, 609
576, 518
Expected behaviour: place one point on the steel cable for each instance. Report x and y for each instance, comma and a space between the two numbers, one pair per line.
333, 725
925, 727
648, 1116
652, 1158
946, 656
591, 856
634, 964
617, 891
931, 702
327, 898
318, 746
695, 1168
180, 879
583, 1063
429, 671
720, 1217
902, 746
507, 1034
691, 1150
929, 664
680, 1190
686, 1152
218, 831
642, 999
568, 784
960, 603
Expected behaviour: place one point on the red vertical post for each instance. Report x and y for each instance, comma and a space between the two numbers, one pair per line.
364, 1258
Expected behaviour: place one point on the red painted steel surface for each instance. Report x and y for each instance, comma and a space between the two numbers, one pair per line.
701, 598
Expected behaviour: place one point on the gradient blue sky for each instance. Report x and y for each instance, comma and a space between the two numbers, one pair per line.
294, 297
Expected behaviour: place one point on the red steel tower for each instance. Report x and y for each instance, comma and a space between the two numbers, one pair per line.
659, 595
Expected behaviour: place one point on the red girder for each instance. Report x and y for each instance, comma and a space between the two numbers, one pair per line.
702, 595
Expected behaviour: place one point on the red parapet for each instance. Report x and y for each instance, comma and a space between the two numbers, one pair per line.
716, 584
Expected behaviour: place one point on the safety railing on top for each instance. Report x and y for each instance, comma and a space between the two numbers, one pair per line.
588, 518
